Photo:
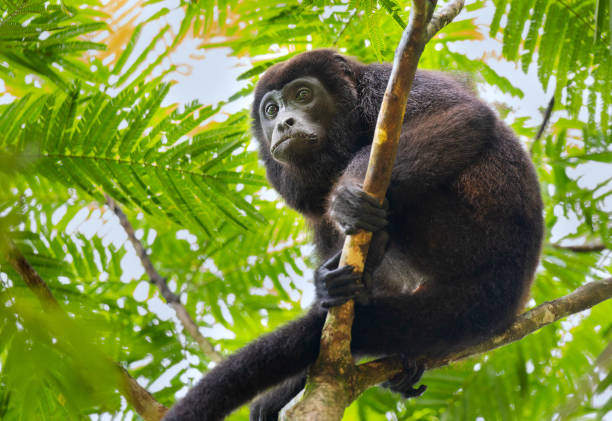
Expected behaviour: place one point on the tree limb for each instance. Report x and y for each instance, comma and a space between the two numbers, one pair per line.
582, 248
583, 298
328, 390
547, 114
155, 278
141, 400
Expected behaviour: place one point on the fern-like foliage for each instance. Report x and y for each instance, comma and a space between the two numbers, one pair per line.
365, 29
132, 148
49, 357
42, 37
573, 41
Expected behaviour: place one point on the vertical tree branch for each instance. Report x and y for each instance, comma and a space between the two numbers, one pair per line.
159, 281
141, 400
329, 389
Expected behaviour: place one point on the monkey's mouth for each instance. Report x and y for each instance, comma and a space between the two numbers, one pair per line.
292, 144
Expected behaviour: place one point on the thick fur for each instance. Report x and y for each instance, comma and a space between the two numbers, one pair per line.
465, 227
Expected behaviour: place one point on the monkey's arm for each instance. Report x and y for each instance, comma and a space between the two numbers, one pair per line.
433, 148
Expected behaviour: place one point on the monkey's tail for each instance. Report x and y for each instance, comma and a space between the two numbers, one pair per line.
256, 367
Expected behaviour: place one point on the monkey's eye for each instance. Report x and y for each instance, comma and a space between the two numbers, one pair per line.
303, 95
271, 110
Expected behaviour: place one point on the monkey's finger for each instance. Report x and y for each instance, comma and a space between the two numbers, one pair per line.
373, 201
385, 204
333, 302
332, 262
418, 373
368, 202
346, 269
413, 370
342, 282
349, 229
372, 225
404, 386
350, 292
338, 276
414, 393
365, 222
376, 220
349, 286
365, 207
370, 214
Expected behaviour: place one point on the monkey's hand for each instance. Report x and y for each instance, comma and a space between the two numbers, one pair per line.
403, 382
353, 210
335, 285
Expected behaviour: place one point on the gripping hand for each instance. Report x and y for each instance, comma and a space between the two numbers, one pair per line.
353, 210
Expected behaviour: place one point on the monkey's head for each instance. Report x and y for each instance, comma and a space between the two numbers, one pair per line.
303, 106
295, 119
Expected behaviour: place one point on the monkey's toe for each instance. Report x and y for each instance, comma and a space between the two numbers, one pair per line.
260, 411
403, 383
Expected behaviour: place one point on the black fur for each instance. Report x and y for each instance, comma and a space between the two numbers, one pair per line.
465, 219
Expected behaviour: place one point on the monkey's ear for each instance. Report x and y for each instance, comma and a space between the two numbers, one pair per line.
345, 65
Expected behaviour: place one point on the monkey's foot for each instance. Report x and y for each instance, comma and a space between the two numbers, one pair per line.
403, 382
335, 285
354, 210
262, 411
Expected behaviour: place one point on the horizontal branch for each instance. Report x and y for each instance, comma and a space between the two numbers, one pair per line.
581, 299
582, 248
159, 281
141, 400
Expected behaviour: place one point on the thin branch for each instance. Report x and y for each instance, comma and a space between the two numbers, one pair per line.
346, 25
582, 248
159, 281
581, 299
32, 279
443, 18
547, 114
141, 400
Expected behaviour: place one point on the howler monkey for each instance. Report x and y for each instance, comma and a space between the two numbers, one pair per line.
455, 246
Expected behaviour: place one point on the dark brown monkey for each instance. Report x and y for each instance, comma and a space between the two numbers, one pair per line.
455, 249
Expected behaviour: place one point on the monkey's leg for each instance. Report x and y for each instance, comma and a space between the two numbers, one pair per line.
442, 315
269, 405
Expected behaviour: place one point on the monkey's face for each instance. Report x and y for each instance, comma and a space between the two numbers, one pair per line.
296, 119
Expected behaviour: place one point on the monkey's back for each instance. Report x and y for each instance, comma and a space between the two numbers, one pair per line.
468, 239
